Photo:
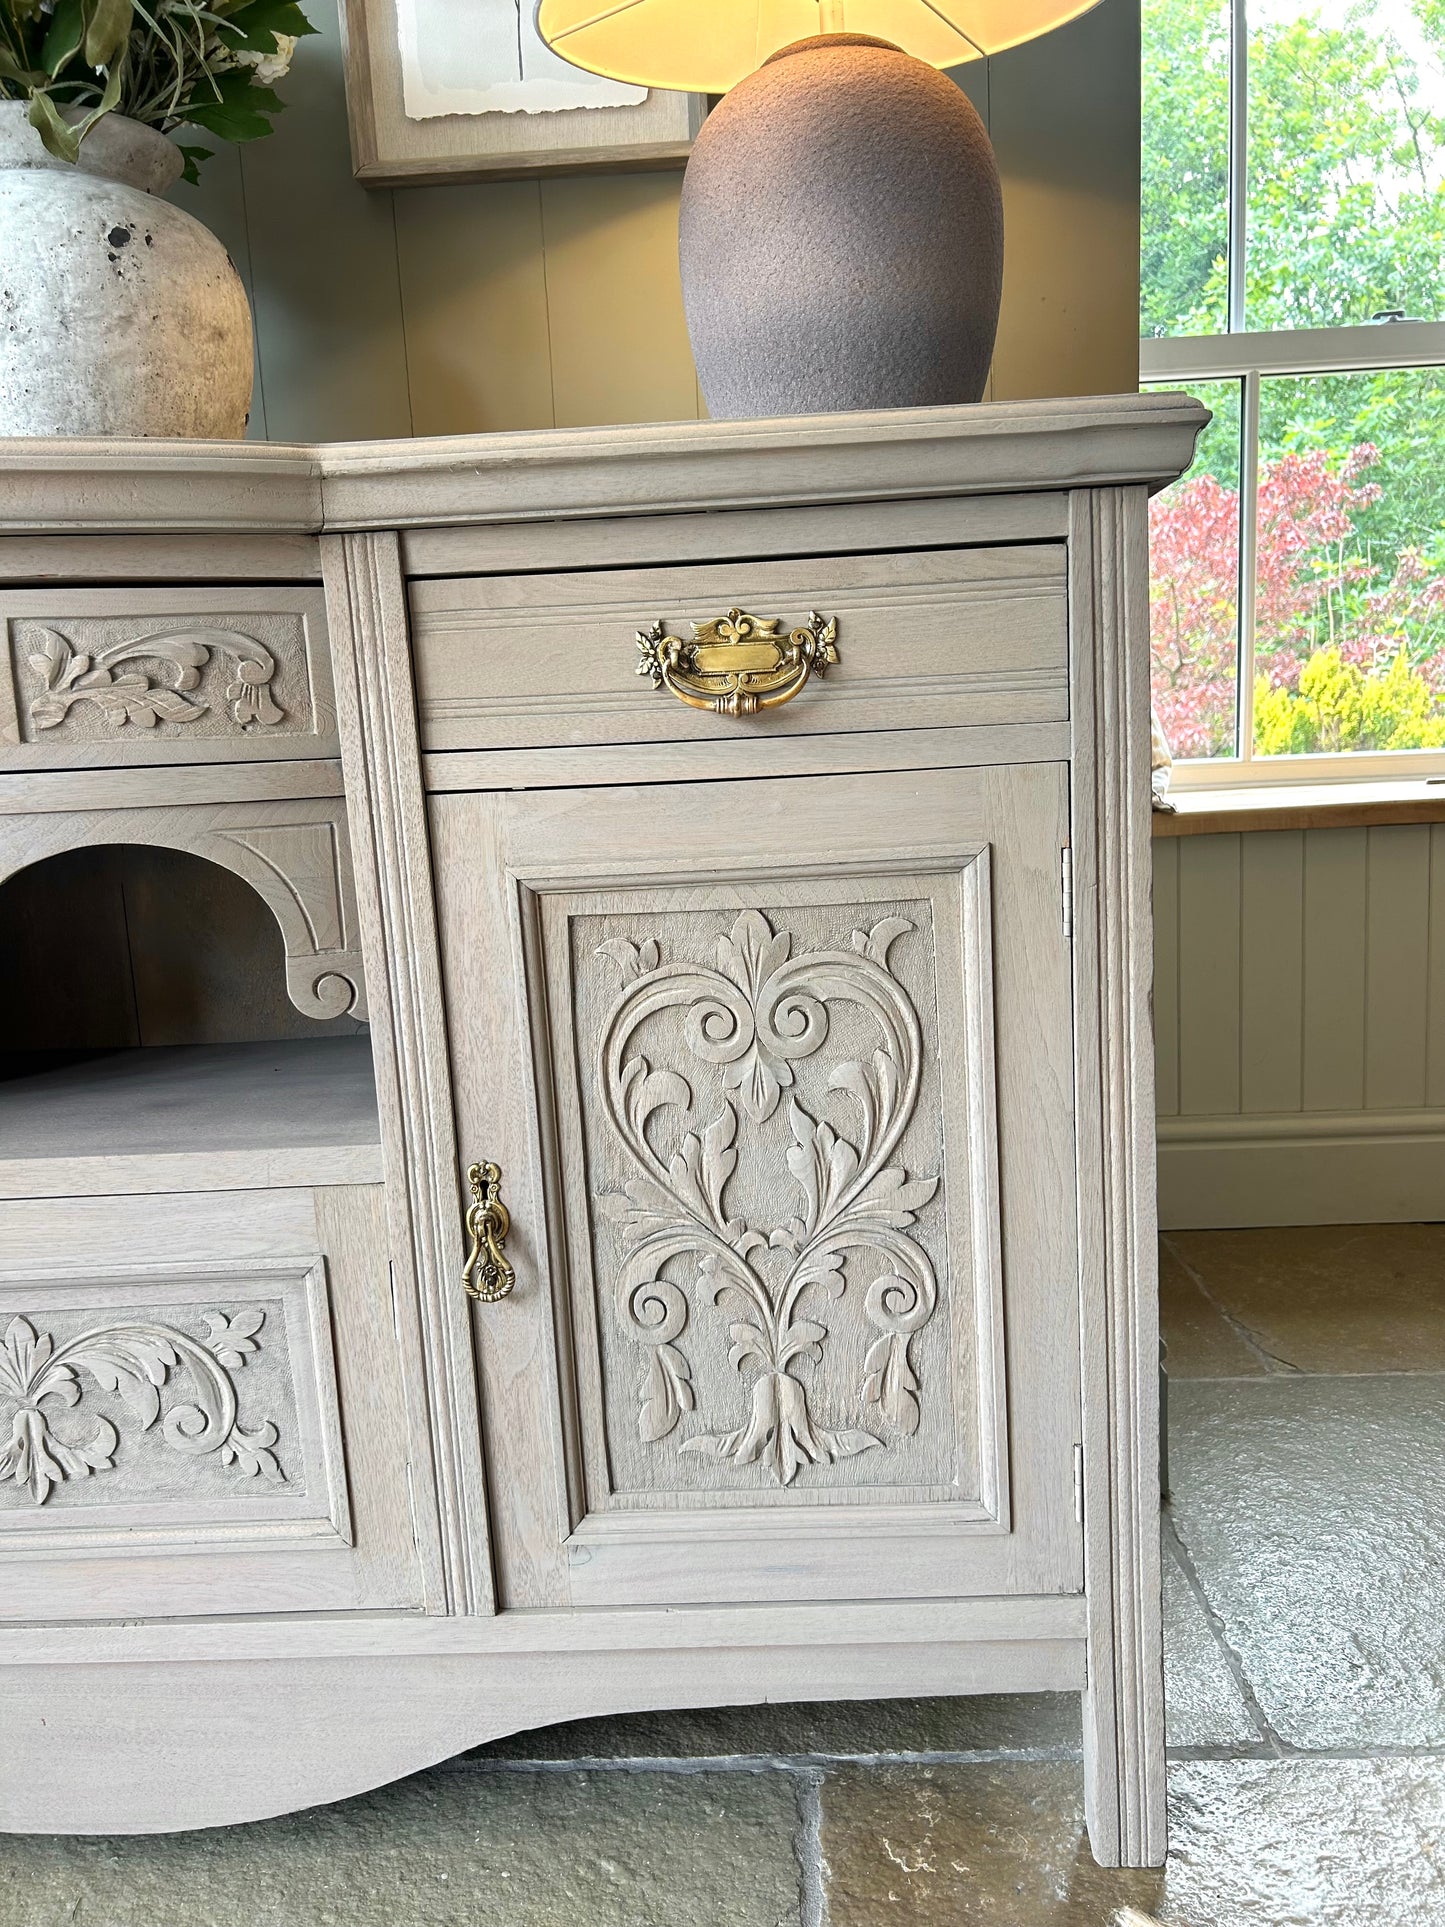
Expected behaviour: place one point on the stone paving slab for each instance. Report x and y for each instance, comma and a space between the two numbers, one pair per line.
1255, 1843
1328, 1298
970, 1846
455, 1847
1314, 1512
1305, 1843
982, 1723
1199, 1340
1203, 1705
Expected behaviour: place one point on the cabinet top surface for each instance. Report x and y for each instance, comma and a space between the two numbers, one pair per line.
987, 448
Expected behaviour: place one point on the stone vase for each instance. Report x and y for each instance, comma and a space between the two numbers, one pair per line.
841, 236
119, 314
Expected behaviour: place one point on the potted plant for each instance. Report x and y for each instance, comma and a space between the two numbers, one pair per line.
120, 314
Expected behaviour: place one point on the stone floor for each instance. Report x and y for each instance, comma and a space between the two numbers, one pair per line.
1306, 1687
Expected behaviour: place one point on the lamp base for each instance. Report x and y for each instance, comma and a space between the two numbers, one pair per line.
841, 236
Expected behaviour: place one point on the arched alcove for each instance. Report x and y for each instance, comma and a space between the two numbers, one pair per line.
119, 945
187, 1010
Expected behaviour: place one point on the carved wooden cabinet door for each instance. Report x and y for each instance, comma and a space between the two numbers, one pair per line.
778, 1074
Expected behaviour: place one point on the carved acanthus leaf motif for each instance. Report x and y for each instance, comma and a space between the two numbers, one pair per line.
136, 1361
74, 675
755, 1015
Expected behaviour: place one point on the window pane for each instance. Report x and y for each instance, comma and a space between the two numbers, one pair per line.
1346, 217
1194, 588
1184, 181
1350, 601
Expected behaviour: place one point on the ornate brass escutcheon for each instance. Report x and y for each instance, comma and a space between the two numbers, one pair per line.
486, 1274
737, 664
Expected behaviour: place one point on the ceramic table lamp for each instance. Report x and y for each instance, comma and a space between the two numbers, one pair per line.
841, 229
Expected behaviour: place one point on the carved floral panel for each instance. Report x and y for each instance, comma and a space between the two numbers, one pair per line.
779, 1271
146, 1402
198, 1402
128, 678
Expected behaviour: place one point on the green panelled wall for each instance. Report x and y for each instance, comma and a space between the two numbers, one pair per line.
541, 304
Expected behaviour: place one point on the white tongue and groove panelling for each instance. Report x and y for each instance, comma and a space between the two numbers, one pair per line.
1299, 1008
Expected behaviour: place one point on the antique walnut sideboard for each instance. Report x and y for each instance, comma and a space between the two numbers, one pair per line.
720, 1265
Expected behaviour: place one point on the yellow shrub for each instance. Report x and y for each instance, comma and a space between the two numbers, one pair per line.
1341, 707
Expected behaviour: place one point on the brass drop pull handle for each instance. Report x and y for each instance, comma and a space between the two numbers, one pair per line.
737, 664
486, 1274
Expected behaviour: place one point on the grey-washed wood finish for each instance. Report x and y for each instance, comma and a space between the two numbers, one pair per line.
129, 944
953, 636
1007, 448
193, 1118
370, 1699
586, 1510
520, 1455
382, 762
266, 1462
166, 1262
133, 676
1114, 1084
295, 855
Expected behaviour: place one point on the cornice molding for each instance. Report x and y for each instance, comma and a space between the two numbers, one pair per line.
57, 487
132, 487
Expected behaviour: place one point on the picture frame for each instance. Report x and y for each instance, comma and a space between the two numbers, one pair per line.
392, 147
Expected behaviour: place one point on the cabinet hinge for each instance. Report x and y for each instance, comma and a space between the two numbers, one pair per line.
1079, 1483
1066, 880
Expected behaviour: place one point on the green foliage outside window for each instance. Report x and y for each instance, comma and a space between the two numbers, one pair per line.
1338, 706
1345, 219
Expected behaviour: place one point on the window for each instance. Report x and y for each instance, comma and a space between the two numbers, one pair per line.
1293, 277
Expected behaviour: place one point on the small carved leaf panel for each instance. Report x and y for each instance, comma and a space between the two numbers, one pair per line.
193, 1401
97, 677
93, 1398
203, 1412
779, 1082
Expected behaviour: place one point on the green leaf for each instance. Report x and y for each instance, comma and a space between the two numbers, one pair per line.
193, 156
26, 77
62, 42
109, 100
107, 28
239, 114
255, 25
57, 136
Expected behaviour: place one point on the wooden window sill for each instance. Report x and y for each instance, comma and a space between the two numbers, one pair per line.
1316, 806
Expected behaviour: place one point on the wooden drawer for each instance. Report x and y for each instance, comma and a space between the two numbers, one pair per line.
932, 637
177, 1373
106, 677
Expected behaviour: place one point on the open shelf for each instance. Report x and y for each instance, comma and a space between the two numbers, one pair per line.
205, 1117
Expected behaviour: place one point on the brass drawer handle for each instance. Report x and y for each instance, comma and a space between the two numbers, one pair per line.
486, 1274
737, 664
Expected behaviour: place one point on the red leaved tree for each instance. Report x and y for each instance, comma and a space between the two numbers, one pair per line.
1316, 587
1194, 600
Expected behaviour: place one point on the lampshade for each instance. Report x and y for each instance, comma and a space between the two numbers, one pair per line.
708, 46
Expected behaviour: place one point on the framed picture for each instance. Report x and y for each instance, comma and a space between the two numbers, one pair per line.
465, 89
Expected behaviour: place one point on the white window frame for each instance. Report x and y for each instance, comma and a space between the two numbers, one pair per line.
1237, 355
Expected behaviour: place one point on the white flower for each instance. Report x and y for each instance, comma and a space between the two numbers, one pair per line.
269, 68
